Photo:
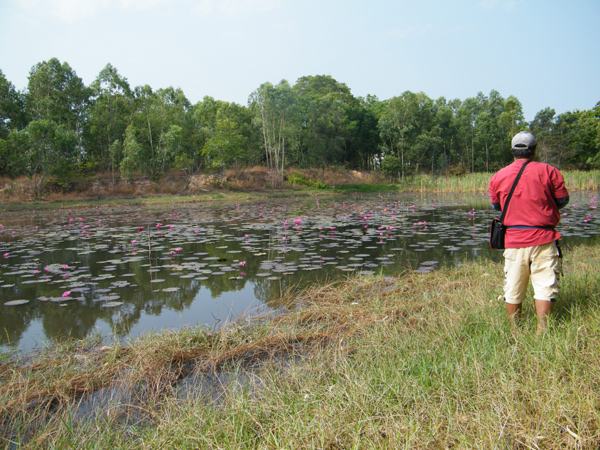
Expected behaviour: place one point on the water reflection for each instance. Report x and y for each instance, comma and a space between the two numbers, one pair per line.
123, 271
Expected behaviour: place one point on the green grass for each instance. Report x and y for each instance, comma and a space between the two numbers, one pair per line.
365, 188
418, 361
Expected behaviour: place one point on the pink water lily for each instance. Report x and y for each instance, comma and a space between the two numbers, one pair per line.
66, 293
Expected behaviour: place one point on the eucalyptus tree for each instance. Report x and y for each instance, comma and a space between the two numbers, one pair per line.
227, 143
397, 125
594, 159
575, 138
446, 123
155, 115
564, 138
12, 108
133, 155
364, 142
512, 117
542, 127
587, 138
44, 149
109, 115
467, 116
497, 144
55, 92
323, 105
275, 113
404, 119
12, 119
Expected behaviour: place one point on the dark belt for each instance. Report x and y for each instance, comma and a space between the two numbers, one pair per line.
527, 227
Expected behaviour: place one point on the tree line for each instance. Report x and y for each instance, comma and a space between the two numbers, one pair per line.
59, 126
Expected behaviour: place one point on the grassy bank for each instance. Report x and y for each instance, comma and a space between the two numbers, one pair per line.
253, 184
418, 361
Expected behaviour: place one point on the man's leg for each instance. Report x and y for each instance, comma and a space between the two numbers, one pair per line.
543, 309
516, 279
545, 274
514, 313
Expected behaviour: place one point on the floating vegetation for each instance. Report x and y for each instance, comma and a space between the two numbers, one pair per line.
16, 302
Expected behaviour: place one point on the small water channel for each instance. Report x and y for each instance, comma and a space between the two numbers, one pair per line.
122, 271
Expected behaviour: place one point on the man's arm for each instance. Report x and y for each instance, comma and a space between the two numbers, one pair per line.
562, 202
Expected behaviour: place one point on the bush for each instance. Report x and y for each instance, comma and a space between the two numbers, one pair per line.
391, 166
300, 180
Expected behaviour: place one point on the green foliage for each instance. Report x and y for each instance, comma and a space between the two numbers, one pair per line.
44, 149
12, 109
316, 122
133, 158
298, 179
391, 166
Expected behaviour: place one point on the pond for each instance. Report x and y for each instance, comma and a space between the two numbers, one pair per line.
118, 272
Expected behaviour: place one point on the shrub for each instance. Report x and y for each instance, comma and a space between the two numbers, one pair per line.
300, 180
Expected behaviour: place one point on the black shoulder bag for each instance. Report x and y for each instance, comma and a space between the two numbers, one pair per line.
498, 230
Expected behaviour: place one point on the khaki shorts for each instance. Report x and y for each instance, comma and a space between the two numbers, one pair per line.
541, 264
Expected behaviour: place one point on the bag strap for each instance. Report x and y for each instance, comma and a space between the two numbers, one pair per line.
512, 191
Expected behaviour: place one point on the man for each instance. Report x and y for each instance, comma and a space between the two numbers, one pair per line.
531, 247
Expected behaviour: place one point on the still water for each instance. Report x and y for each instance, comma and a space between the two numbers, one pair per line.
119, 272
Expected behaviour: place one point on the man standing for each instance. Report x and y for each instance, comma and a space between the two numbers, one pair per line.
531, 247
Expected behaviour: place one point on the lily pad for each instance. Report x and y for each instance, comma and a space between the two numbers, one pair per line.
16, 302
111, 304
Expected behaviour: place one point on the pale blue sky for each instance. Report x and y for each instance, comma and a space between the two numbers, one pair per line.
546, 52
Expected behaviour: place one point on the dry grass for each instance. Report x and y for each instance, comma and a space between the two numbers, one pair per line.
105, 187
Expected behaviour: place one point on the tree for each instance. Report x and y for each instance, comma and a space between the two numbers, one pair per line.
325, 125
364, 142
109, 116
155, 114
275, 114
512, 117
542, 128
403, 120
391, 166
467, 116
225, 146
594, 160
12, 110
46, 149
133, 155
445, 122
56, 93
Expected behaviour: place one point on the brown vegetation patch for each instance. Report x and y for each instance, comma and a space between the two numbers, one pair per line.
111, 185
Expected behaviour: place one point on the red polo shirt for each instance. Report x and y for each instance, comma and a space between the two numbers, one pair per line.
532, 203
